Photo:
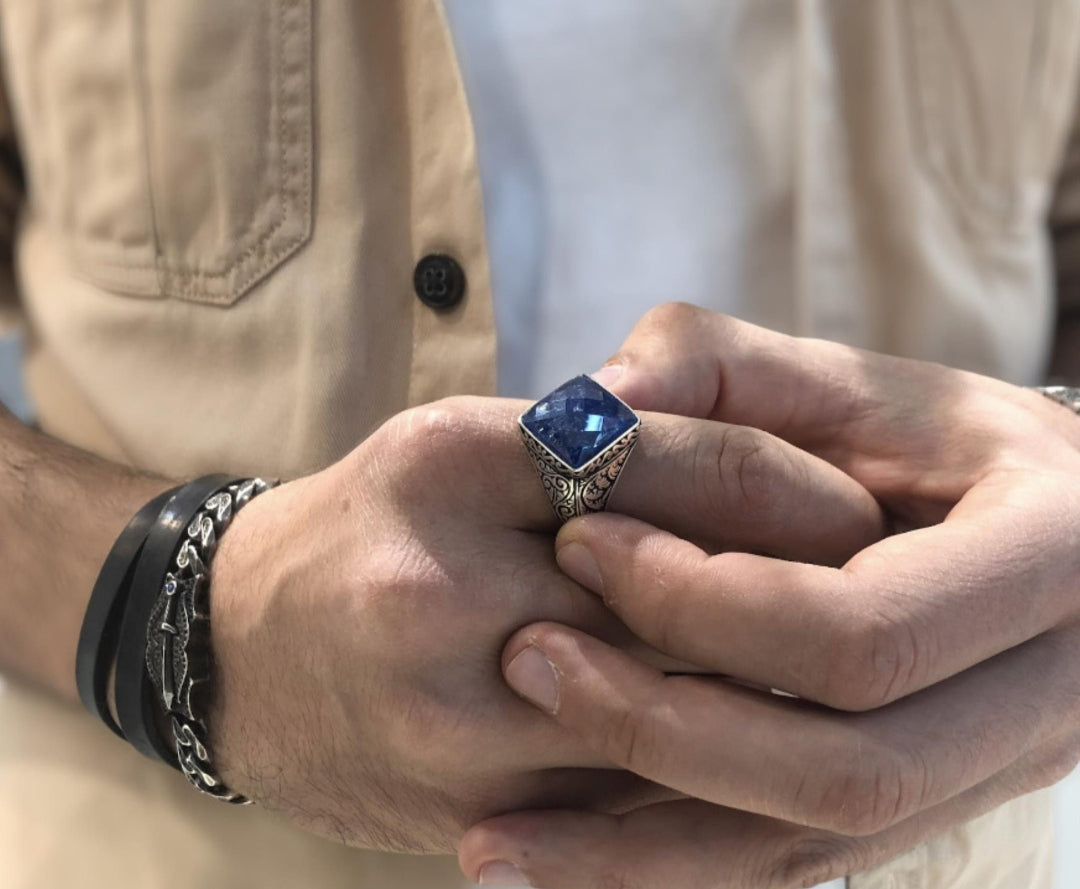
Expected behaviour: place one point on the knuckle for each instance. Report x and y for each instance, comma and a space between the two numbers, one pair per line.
812, 860
874, 661
447, 418
634, 740
879, 788
407, 719
433, 439
651, 594
672, 316
678, 367
740, 469
1054, 766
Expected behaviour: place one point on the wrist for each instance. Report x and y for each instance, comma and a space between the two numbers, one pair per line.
56, 528
238, 618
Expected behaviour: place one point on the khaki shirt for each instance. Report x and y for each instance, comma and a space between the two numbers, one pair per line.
213, 237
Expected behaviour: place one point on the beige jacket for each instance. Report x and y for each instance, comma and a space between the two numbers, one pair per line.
213, 240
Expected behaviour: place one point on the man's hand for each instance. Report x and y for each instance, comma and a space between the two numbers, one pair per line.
939, 669
360, 613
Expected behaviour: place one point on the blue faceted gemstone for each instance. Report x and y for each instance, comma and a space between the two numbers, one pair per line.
579, 420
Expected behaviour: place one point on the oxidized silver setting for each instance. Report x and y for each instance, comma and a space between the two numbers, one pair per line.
577, 492
178, 657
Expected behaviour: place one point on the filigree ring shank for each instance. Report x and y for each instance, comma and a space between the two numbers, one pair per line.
587, 490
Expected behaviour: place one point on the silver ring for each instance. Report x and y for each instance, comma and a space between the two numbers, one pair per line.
1068, 396
579, 438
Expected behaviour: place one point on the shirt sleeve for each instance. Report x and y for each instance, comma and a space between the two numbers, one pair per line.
12, 192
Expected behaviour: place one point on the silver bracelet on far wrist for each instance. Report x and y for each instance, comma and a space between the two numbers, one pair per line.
1069, 396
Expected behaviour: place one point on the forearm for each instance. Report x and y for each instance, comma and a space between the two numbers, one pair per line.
60, 511
1065, 365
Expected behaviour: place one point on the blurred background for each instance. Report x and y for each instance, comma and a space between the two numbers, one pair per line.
1068, 793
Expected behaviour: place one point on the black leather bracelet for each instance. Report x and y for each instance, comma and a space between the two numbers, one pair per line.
101, 625
134, 698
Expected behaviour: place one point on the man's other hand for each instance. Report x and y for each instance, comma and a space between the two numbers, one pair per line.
937, 671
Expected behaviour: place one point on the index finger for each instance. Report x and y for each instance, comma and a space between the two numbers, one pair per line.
726, 486
856, 774
907, 612
880, 418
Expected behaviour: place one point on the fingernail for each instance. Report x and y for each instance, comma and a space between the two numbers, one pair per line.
576, 561
503, 874
608, 375
533, 677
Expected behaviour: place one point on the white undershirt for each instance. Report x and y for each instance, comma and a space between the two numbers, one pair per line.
611, 173
611, 179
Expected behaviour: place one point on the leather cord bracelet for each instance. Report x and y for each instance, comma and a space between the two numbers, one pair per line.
134, 697
101, 625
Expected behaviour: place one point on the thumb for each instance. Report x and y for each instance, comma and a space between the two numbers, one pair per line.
668, 364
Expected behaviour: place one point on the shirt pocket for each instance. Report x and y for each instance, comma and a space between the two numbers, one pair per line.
992, 94
168, 143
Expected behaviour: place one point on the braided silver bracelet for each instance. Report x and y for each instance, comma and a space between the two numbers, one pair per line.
178, 655
1066, 395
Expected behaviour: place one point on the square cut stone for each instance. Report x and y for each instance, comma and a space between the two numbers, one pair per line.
578, 421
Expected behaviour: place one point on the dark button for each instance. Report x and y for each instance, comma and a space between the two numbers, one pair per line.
439, 281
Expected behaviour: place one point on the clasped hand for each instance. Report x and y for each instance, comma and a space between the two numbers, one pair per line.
937, 670
895, 544
360, 613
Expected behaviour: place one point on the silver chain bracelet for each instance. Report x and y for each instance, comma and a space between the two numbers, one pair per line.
178, 655
1066, 395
